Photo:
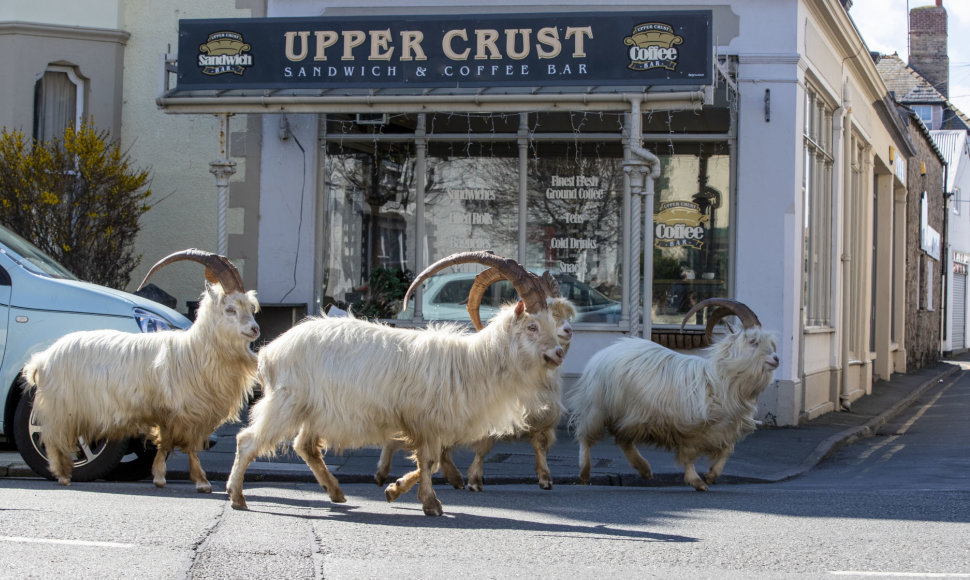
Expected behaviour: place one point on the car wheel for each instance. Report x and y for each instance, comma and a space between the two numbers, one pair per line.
91, 460
136, 465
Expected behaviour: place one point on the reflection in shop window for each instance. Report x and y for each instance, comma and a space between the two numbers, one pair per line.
369, 210
575, 209
691, 228
471, 204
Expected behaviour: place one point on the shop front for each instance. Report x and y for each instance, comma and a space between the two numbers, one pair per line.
539, 137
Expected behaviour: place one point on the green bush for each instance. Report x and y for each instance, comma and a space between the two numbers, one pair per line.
77, 198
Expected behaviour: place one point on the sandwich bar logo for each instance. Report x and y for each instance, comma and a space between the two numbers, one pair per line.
653, 45
224, 52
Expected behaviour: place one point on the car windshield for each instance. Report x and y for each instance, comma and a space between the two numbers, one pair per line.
30, 257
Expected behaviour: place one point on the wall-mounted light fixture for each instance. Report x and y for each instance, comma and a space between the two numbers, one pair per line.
767, 105
922, 168
892, 154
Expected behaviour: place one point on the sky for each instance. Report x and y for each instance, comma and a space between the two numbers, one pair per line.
884, 26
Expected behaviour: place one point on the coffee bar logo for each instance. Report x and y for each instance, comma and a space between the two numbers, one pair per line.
653, 45
224, 52
679, 223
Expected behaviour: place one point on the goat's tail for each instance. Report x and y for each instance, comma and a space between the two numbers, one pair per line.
31, 373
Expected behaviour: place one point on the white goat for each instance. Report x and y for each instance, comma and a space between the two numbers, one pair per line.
178, 385
346, 383
541, 419
641, 392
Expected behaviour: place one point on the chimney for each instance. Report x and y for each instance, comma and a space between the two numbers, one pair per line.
927, 45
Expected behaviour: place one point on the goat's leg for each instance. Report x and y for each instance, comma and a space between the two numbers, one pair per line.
402, 485
310, 448
450, 470
584, 460
427, 456
541, 441
719, 459
165, 447
691, 477
638, 461
261, 437
476, 476
196, 473
384, 463
59, 462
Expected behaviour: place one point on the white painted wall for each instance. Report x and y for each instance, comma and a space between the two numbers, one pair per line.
288, 194
178, 148
89, 13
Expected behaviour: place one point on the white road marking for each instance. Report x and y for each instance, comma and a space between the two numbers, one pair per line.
900, 574
64, 542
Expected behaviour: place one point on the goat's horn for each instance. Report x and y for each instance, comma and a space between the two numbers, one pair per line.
725, 306
550, 285
218, 269
490, 276
524, 282
483, 280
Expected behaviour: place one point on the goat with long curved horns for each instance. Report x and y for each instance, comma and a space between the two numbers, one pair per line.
641, 392
179, 385
346, 383
542, 417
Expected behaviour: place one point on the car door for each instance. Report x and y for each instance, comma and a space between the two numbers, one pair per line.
4, 309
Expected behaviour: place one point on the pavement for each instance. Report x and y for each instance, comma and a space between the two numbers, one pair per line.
770, 454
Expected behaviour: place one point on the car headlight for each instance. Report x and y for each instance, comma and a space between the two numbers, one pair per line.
151, 322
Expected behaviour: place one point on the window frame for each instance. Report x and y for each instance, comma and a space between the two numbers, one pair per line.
79, 101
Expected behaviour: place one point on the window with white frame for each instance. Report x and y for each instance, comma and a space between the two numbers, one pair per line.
817, 191
58, 102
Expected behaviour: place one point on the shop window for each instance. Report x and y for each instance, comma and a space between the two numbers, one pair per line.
691, 228
481, 176
575, 209
817, 193
370, 213
58, 102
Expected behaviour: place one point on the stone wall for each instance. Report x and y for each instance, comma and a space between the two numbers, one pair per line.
922, 325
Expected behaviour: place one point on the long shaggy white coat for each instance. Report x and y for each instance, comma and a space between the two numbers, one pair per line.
540, 423
641, 392
176, 385
346, 383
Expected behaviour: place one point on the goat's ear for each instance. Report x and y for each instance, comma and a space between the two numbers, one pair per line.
519, 308
210, 290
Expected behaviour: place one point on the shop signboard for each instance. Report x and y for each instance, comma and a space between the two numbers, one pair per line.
624, 48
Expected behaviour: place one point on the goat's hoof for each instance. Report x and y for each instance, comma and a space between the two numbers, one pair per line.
458, 484
65, 481
391, 493
338, 497
433, 508
699, 486
545, 485
159, 482
709, 479
475, 487
203, 487
380, 480
240, 505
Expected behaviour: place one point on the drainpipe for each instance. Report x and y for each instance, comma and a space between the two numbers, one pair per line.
223, 169
642, 168
841, 120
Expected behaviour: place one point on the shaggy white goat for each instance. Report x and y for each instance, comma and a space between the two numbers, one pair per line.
542, 417
178, 385
346, 383
641, 392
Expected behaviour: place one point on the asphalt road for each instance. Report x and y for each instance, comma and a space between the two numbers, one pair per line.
896, 505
